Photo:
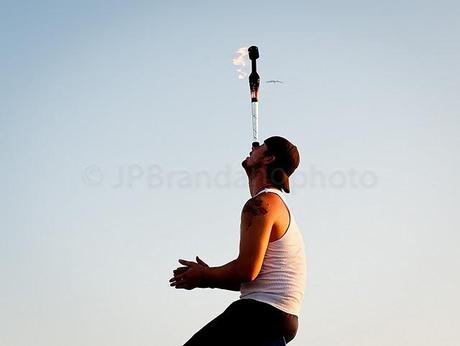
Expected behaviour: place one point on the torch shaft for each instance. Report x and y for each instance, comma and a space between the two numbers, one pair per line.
255, 121
254, 81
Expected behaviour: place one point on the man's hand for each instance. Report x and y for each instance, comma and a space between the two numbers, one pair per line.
189, 277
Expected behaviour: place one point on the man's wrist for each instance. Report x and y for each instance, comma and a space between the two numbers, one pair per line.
206, 278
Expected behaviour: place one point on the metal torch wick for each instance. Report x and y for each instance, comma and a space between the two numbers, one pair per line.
254, 82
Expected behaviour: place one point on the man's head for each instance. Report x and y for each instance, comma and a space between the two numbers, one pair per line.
277, 157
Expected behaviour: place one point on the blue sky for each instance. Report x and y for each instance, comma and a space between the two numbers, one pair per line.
122, 129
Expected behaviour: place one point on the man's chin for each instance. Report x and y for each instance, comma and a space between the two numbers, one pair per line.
247, 167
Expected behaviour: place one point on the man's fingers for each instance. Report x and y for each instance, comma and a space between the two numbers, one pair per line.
180, 270
180, 281
186, 263
178, 277
183, 285
180, 284
200, 261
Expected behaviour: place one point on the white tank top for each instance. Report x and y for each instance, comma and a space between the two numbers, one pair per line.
281, 280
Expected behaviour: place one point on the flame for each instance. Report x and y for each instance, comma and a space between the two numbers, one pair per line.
241, 60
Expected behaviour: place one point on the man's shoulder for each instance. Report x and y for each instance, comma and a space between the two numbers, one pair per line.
262, 204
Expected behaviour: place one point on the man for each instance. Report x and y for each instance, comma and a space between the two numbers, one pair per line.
270, 268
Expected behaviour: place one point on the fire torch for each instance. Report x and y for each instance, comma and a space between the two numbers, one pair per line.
254, 82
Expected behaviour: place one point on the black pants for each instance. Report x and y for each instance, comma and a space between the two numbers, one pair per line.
246, 322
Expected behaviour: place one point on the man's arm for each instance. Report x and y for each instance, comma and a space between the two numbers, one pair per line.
257, 219
205, 276
225, 277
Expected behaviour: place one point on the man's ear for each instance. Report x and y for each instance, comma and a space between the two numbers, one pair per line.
269, 159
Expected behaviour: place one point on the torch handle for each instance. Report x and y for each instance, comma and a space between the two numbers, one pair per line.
255, 121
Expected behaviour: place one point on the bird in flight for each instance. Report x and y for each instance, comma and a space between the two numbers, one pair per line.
274, 81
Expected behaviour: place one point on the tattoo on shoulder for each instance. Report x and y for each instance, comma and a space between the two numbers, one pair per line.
255, 207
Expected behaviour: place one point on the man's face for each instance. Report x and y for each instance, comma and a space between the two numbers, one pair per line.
256, 157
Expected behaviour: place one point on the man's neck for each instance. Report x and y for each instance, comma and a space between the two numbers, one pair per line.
258, 185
